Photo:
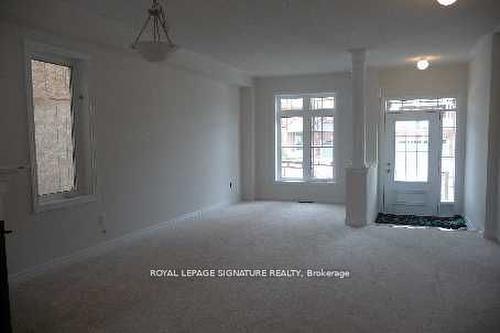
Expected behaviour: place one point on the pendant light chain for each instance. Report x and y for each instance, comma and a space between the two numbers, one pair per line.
158, 20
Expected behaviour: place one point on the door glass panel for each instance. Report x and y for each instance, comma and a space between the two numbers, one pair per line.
411, 153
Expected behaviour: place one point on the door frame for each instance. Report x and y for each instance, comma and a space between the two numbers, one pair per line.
432, 186
445, 209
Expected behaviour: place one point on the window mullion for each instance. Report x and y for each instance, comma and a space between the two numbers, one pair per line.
278, 146
307, 126
290, 114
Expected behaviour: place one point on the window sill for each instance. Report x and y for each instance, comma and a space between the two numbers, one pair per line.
308, 182
44, 205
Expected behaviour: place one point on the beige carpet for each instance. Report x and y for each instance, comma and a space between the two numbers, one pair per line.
401, 280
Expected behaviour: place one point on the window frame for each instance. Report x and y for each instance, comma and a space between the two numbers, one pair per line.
307, 114
83, 127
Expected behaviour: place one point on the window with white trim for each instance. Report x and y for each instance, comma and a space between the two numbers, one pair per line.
60, 128
305, 137
53, 120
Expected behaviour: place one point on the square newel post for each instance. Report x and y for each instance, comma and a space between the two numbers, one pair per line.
356, 173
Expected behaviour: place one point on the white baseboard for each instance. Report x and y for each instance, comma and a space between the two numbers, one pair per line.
108, 245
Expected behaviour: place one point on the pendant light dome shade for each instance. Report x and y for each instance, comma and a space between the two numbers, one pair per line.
160, 46
154, 51
423, 64
446, 2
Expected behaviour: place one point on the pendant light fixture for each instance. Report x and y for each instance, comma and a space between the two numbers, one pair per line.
160, 44
446, 2
423, 64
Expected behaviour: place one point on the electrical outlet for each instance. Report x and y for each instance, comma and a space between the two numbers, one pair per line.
233, 184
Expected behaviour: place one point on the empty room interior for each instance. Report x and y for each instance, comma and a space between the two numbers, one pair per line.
250, 166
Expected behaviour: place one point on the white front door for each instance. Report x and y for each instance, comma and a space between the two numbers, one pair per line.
412, 168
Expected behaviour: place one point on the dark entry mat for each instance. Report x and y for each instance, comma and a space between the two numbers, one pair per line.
453, 222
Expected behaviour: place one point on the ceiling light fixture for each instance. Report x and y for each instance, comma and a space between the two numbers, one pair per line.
423, 64
161, 44
446, 2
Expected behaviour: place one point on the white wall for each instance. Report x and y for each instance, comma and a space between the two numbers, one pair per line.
483, 152
167, 144
443, 80
492, 223
477, 133
265, 89
495, 107
247, 153
438, 80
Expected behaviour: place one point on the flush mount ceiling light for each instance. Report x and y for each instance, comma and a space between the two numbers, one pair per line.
160, 44
446, 2
423, 64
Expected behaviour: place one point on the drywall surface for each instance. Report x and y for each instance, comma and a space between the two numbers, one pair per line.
477, 133
492, 225
247, 151
266, 188
445, 80
407, 81
167, 143
495, 95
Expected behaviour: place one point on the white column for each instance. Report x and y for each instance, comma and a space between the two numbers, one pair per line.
358, 78
357, 172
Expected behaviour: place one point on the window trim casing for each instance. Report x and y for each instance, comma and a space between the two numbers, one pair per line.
84, 145
306, 161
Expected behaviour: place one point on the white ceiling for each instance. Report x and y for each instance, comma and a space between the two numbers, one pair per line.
282, 37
